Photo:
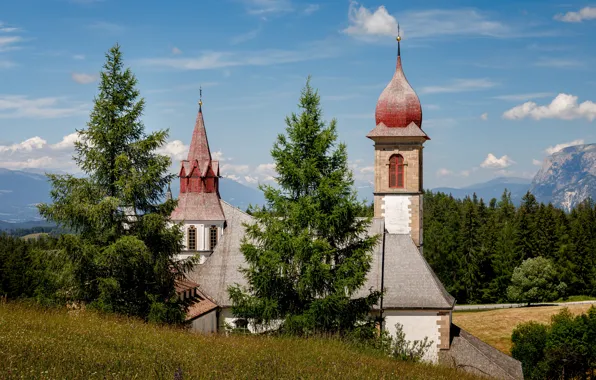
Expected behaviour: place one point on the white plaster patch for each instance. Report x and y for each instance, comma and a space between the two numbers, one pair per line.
416, 326
397, 213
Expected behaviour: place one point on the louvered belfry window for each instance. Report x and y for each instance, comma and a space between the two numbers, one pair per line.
396, 171
192, 238
213, 236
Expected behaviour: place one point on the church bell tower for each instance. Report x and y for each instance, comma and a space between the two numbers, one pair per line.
398, 142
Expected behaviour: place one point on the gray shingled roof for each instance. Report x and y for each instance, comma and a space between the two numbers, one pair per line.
221, 268
473, 355
409, 281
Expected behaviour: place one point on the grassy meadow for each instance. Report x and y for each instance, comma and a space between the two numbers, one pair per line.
49, 344
495, 326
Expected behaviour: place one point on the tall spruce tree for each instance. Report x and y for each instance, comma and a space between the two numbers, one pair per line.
121, 252
307, 254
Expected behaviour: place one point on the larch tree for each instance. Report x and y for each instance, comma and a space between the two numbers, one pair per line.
121, 250
307, 253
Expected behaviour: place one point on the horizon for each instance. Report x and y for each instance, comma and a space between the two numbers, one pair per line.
251, 57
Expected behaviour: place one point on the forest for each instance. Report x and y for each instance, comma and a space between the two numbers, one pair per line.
474, 247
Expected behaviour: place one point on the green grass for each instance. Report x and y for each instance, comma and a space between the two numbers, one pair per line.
49, 344
576, 299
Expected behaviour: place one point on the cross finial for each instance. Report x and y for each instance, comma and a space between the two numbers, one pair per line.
200, 98
398, 40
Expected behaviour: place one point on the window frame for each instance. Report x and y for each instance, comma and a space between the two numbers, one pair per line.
213, 239
397, 171
192, 230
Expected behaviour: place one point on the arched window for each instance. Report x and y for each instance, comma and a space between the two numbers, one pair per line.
192, 238
396, 171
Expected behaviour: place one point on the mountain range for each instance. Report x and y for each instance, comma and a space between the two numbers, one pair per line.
566, 178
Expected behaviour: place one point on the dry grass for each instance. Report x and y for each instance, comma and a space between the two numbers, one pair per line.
495, 326
50, 344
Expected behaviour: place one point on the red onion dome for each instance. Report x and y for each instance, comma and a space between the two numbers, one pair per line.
398, 105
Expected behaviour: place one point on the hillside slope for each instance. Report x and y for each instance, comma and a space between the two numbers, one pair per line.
52, 344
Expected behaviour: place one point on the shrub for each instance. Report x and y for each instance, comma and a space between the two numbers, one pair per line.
529, 341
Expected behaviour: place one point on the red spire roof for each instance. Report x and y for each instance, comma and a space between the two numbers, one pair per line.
199, 146
398, 105
199, 180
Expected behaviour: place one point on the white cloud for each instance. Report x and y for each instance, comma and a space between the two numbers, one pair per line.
363, 22
484, 116
18, 106
232, 177
311, 8
492, 162
536, 162
176, 51
587, 13
245, 36
36, 152
7, 64
459, 85
27, 145
264, 7
8, 43
238, 169
420, 24
78, 57
564, 107
522, 97
250, 179
42, 163
82, 78
67, 142
559, 63
176, 150
219, 60
443, 172
553, 149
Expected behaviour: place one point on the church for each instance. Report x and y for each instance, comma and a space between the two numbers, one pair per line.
414, 297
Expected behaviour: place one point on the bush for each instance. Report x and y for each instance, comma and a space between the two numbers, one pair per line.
564, 350
529, 341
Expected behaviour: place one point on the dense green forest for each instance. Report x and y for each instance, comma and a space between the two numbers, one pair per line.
474, 247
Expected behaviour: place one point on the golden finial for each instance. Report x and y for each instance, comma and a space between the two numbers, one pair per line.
200, 97
398, 38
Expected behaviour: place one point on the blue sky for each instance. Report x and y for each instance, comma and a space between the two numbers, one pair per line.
502, 84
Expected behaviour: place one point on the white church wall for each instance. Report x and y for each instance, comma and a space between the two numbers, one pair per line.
226, 318
397, 213
205, 324
416, 326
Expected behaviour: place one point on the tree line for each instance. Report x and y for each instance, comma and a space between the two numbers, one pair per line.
475, 247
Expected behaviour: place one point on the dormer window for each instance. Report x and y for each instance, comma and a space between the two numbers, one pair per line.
192, 238
396, 171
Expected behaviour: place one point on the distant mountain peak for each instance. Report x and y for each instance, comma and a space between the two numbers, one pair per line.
567, 177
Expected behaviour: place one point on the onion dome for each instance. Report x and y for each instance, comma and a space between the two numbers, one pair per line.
398, 105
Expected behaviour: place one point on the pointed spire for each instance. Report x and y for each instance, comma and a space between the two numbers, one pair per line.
199, 145
169, 193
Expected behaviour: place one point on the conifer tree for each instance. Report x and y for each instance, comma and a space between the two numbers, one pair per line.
121, 252
307, 254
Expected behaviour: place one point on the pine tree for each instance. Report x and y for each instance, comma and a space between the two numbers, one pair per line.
307, 253
122, 251
470, 247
